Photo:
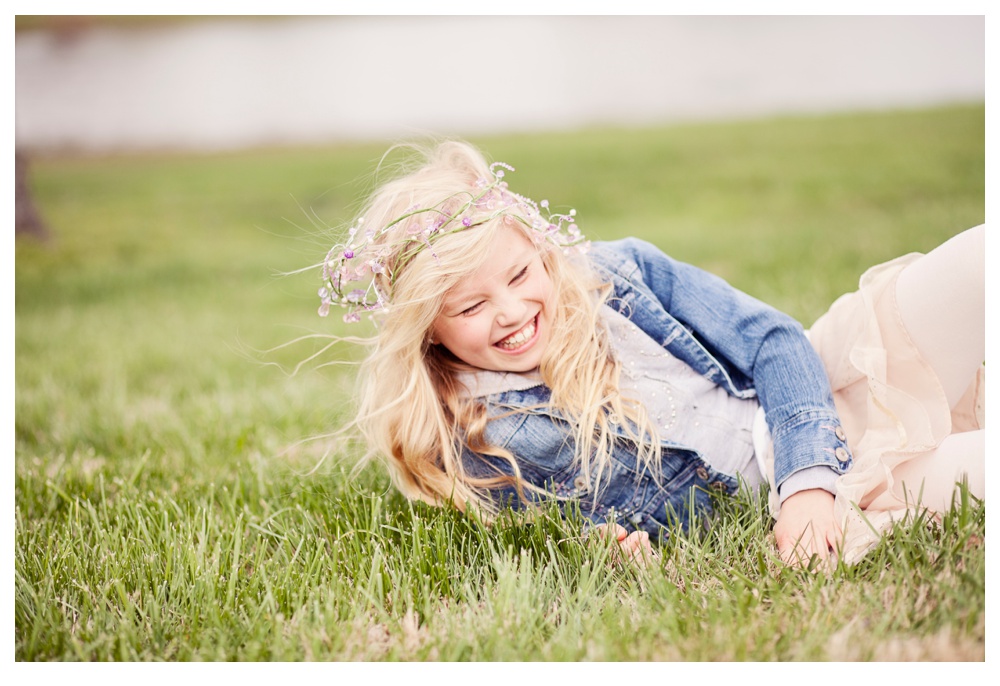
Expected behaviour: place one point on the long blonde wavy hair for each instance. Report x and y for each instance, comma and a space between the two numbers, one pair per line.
412, 410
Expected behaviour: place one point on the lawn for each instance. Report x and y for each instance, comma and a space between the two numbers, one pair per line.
179, 494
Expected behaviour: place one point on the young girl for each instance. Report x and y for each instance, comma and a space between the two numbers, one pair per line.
515, 363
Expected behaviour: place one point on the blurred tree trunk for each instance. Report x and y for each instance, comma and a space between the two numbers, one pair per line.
27, 221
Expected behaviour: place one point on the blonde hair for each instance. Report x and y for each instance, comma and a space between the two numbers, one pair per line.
412, 410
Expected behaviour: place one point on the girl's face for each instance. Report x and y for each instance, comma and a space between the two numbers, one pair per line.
498, 318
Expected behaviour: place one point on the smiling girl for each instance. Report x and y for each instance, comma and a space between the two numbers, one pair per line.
497, 318
515, 363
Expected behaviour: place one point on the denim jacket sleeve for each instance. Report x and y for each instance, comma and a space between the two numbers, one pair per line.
744, 345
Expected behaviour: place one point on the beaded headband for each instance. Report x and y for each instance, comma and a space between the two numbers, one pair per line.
358, 273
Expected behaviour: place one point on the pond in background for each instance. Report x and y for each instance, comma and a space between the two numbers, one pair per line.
229, 83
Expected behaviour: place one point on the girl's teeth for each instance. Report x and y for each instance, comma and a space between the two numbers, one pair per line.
520, 338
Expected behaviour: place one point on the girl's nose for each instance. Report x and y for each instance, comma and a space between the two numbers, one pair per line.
510, 310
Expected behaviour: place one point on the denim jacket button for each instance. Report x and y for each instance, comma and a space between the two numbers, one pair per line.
580, 482
702, 473
840, 433
841, 454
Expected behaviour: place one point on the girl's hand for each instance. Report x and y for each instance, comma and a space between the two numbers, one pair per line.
806, 527
635, 546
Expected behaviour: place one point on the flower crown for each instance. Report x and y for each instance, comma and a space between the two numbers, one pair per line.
358, 273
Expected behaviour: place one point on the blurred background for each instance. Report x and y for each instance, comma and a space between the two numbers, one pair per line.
138, 83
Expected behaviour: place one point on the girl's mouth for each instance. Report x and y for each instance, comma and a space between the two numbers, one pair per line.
519, 338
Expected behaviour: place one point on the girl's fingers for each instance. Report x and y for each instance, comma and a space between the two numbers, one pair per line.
634, 547
638, 547
616, 531
823, 547
638, 539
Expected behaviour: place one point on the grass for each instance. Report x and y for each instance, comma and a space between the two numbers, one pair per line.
167, 508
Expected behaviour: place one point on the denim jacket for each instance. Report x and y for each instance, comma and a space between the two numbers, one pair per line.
739, 343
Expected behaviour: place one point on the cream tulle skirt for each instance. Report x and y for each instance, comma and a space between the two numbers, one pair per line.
890, 402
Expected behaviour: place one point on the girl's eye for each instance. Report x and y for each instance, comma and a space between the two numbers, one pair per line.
471, 310
520, 275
